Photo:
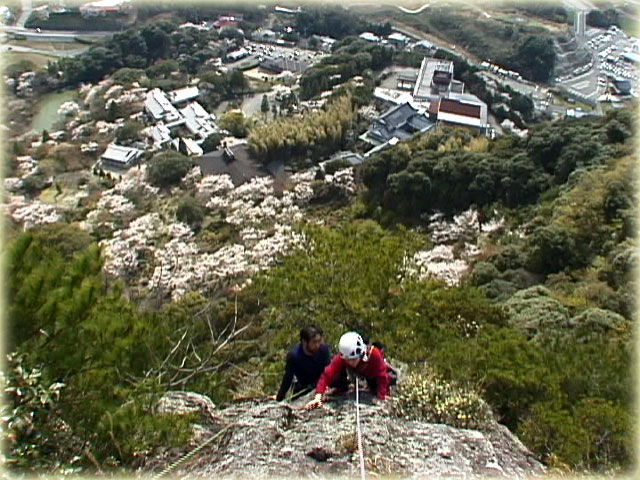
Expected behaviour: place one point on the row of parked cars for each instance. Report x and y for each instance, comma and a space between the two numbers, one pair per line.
619, 69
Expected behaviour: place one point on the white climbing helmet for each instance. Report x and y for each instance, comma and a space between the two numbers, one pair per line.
352, 346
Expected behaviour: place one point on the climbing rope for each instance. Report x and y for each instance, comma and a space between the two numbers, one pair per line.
359, 433
190, 454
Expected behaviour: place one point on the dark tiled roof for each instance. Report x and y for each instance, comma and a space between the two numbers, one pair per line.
458, 108
401, 121
419, 122
351, 157
279, 65
442, 78
397, 115
401, 133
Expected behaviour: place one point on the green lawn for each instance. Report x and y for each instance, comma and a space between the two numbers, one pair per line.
559, 100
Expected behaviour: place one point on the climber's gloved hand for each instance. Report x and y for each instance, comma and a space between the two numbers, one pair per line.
315, 403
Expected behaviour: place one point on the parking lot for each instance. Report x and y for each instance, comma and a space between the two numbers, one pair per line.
264, 50
259, 52
607, 48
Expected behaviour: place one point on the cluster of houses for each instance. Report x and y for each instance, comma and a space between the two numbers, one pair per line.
104, 7
176, 111
421, 101
430, 97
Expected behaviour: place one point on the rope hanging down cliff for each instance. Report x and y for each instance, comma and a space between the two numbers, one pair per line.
359, 433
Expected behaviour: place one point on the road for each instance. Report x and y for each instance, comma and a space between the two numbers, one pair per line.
53, 53
417, 10
44, 35
51, 35
25, 13
580, 26
580, 5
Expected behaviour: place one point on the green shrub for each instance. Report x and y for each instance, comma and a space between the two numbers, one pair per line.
35, 437
483, 272
34, 183
596, 322
554, 248
127, 76
326, 193
593, 435
520, 277
190, 212
510, 257
235, 123
610, 439
16, 69
129, 131
425, 395
168, 168
498, 289
533, 311
551, 430
211, 142
134, 431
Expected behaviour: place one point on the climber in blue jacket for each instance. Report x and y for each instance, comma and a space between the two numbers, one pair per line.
305, 362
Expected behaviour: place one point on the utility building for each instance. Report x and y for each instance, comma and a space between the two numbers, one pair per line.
119, 156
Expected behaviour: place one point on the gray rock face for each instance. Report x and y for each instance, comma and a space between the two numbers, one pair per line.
266, 439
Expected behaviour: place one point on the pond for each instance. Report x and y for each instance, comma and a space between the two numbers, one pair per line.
47, 110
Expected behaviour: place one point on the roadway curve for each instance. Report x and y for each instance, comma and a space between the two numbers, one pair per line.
417, 10
44, 35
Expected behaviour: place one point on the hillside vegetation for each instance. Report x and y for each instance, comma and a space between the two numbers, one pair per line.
523, 46
540, 326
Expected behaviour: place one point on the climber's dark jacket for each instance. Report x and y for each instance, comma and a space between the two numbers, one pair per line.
306, 368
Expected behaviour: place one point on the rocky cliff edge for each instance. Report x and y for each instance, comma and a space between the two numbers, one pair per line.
262, 439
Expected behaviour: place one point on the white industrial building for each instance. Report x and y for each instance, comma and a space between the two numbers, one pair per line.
182, 95
198, 120
119, 156
370, 37
160, 135
158, 106
187, 146
435, 90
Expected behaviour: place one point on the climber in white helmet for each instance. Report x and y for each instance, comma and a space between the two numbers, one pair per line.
355, 355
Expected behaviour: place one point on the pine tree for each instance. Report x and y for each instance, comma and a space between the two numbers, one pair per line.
264, 107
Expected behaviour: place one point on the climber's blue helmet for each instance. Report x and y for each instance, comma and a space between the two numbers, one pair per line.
351, 346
